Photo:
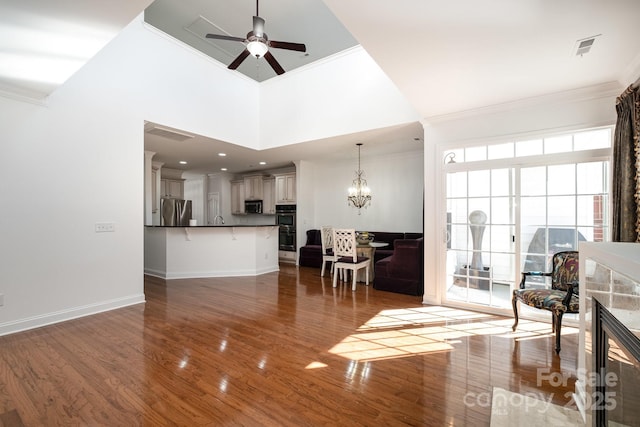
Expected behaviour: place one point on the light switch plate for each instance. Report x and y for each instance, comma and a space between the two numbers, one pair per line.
105, 227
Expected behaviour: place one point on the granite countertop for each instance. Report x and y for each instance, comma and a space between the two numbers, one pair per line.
212, 226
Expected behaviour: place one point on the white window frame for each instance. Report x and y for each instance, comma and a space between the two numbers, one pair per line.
580, 156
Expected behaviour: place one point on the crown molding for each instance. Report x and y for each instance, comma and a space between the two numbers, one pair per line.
632, 73
43, 102
604, 90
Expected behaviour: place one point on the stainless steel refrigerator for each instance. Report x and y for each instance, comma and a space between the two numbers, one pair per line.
176, 212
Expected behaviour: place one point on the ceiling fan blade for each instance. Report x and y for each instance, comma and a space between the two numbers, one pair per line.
258, 26
274, 64
222, 37
300, 47
236, 62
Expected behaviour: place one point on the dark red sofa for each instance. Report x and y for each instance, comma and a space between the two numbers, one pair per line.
402, 272
310, 255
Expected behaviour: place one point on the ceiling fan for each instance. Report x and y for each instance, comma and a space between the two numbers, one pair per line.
258, 44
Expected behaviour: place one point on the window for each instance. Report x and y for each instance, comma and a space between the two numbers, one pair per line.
511, 206
592, 139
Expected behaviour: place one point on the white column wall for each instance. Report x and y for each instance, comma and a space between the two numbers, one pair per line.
306, 200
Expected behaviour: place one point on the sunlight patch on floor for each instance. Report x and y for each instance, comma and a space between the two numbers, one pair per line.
529, 409
315, 365
412, 331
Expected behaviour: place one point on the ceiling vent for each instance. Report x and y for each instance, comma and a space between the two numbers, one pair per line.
169, 134
584, 45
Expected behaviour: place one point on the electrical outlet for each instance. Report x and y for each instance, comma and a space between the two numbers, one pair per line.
105, 227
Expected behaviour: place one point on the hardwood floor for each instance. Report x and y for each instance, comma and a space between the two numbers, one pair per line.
281, 349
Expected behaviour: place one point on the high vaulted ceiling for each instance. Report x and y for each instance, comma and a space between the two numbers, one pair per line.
445, 57
453, 56
308, 22
43, 43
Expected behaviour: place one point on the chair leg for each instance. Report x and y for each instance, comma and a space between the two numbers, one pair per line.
514, 302
322, 270
355, 278
335, 280
558, 322
366, 271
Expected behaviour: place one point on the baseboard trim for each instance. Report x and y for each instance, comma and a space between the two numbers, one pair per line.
209, 274
68, 314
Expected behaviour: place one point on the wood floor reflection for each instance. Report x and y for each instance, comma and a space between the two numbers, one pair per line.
281, 349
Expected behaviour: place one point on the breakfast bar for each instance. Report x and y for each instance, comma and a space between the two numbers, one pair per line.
180, 252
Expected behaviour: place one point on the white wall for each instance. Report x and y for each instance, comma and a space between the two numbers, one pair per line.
79, 160
344, 94
396, 184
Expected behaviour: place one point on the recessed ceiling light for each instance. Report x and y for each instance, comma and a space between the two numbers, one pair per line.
223, 169
222, 154
263, 163
182, 162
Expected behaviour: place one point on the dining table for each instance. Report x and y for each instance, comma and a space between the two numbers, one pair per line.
368, 250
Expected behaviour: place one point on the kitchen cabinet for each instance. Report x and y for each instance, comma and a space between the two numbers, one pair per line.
286, 189
172, 188
269, 196
237, 197
253, 187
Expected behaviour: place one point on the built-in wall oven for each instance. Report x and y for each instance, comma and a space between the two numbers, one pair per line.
286, 220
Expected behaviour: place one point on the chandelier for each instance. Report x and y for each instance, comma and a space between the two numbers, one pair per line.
359, 192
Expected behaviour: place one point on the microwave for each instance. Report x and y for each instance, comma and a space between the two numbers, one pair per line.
253, 206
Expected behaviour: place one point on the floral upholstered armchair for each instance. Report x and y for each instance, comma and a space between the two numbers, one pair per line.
560, 299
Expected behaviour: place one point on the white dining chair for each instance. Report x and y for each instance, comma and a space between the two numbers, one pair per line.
344, 248
328, 255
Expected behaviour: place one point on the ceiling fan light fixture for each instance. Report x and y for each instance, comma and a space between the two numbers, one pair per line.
257, 48
257, 45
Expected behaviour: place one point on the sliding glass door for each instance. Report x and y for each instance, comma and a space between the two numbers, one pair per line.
481, 226
510, 208
561, 205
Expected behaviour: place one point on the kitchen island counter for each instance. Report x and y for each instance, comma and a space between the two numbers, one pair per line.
211, 226
179, 252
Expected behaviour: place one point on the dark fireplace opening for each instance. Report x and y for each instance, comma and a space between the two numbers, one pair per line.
616, 397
